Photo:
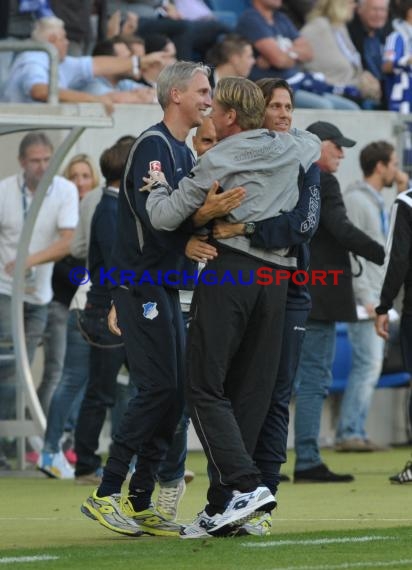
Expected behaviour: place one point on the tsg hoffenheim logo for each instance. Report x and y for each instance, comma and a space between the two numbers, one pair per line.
150, 310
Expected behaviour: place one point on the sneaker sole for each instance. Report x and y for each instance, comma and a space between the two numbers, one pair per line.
152, 531
195, 536
49, 474
266, 502
94, 514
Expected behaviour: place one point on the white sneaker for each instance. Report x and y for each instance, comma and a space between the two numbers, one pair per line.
244, 504
55, 465
169, 498
201, 526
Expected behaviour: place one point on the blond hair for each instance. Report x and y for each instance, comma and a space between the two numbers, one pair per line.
245, 97
82, 158
336, 11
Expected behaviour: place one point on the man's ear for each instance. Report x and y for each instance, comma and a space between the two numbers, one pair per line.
175, 95
231, 117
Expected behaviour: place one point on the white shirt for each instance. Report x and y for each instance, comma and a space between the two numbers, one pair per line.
58, 211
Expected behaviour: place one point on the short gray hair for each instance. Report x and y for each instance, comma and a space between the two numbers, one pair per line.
45, 27
177, 75
34, 138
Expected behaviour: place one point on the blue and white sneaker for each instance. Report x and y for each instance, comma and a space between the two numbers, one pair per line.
55, 465
243, 504
201, 526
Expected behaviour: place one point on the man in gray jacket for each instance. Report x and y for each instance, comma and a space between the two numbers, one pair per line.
366, 209
236, 326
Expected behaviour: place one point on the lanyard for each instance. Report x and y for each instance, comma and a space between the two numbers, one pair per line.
23, 189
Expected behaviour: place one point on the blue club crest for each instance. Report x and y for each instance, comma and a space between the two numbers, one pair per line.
150, 310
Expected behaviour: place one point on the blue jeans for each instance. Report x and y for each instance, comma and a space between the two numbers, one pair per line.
107, 355
367, 359
312, 382
35, 318
69, 392
308, 100
172, 467
54, 347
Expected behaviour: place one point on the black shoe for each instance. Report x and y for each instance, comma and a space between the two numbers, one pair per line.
404, 476
320, 474
283, 477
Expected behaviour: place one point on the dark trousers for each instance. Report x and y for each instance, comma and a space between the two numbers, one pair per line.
152, 325
406, 346
233, 353
271, 447
107, 355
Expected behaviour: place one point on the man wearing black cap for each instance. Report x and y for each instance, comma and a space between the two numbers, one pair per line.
335, 237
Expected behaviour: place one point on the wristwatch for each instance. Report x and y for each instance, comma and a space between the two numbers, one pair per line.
250, 228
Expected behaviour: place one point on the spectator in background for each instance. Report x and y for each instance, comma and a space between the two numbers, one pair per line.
329, 249
67, 398
366, 209
280, 50
28, 79
334, 54
191, 38
157, 43
397, 61
398, 272
82, 172
76, 15
232, 56
115, 85
368, 31
50, 242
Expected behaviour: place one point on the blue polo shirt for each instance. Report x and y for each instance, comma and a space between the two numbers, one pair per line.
253, 26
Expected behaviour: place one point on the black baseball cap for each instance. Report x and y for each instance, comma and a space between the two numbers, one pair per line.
328, 132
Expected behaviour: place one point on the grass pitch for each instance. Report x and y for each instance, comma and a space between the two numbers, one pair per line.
360, 525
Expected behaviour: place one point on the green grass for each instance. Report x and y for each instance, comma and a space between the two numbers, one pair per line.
41, 517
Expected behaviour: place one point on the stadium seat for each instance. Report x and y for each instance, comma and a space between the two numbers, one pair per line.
343, 362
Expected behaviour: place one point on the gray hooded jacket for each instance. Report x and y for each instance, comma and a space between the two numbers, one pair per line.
264, 162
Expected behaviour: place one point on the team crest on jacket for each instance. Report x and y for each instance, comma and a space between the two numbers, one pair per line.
150, 310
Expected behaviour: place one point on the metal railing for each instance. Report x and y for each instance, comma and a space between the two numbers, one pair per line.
30, 45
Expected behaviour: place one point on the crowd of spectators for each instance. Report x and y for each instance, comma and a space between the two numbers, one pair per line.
339, 54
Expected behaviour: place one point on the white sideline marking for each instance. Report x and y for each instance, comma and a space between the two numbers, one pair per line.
347, 565
315, 541
365, 519
27, 559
